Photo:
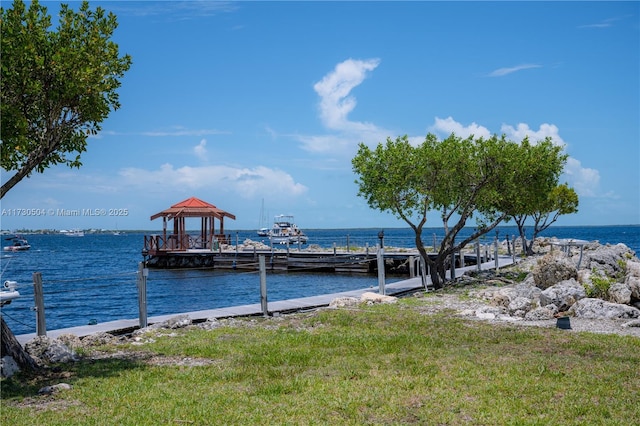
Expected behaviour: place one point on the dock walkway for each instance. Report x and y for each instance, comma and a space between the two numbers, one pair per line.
281, 306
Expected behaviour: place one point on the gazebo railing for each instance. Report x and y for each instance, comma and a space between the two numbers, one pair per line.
154, 244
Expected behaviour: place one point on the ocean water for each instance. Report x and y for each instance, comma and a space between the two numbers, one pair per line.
94, 277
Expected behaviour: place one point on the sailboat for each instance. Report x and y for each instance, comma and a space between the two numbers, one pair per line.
263, 230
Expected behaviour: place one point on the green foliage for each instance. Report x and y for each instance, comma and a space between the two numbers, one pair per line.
599, 285
56, 86
460, 178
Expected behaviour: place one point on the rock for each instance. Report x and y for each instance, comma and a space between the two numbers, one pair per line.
527, 289
563, 295
591, 308
341, 302
553, 268
179, 321
48, 390
520, 306
490, 312
8, 367
50, 350
370, 297
619, 293
607, 258
632, 323
541, 313
632, 279
98, 339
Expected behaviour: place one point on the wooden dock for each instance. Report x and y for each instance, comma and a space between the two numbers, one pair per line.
398, 262
284, 306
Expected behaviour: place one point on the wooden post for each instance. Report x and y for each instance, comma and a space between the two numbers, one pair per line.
513, 243
495, 255
381, 289
142, 294
478, 258
412, 265
452, 273
424, 272
263, 286
41, 326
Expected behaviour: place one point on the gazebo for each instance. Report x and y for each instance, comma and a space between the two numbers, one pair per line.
179, 240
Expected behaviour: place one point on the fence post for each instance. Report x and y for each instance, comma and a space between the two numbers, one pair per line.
41, 326
143, 273
496, 254
263, 286
381, 271
412, 271
478, 258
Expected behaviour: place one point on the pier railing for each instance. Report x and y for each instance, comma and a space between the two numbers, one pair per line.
159, 244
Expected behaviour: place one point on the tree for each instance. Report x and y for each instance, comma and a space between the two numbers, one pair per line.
539, 169
56, 86
458, 177
561, 200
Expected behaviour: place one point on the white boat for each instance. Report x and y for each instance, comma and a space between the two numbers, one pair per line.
263, 232
285, 231
17, 244
74, 233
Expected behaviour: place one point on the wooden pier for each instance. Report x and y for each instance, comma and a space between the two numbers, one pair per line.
352, 262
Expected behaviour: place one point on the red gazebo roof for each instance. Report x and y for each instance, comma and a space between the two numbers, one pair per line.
193, 207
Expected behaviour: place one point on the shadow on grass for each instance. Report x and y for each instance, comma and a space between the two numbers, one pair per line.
24, 385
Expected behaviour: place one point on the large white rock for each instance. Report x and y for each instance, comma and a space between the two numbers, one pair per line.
563, 295
591, 308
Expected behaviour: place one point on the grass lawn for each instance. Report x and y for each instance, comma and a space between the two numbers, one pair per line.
378, 365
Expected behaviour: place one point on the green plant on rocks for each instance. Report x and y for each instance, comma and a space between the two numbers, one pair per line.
599, 285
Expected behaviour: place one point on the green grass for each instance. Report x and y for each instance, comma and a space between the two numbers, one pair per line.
383, 364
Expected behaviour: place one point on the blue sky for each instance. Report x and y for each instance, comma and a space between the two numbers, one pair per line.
236, 103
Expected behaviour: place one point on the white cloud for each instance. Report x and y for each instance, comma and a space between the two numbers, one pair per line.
245, 182
336, 103
501, 72
443, 127
334, 90
584, 180
522, 130
201, 150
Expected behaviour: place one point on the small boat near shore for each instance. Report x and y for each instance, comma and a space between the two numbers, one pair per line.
285, 231
17, 244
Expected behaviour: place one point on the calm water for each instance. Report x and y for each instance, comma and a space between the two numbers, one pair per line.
94, 277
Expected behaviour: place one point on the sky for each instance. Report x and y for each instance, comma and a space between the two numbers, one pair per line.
258, 107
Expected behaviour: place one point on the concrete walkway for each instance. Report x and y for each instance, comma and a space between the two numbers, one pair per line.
256, 309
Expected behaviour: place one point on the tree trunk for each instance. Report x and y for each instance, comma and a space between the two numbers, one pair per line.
11, 347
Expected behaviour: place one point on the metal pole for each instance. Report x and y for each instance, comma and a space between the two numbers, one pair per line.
263, 286
41, 326
143, 273
381, 271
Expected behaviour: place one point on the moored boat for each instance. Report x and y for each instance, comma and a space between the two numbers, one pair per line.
285, 231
